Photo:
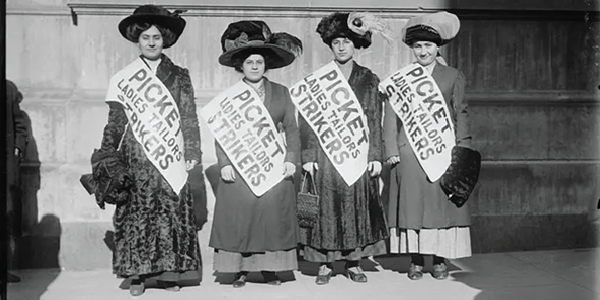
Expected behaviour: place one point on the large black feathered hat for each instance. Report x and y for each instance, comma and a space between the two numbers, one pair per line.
439, 27
460, 178
280, 48
357, 27
157, 15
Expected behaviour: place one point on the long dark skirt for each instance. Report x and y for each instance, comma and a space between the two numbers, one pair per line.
253, 233
155, 231
352, 222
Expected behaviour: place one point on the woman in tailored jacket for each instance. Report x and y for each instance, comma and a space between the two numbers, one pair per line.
155, 231
250, 233
427, 222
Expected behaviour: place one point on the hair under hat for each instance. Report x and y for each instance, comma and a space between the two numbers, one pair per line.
155, 15
439, 28
358, 27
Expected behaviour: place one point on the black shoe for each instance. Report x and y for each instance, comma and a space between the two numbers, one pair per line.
356, 276
240, 280
11, 278
271, 278
323, 277
440, 271
136, 288
415, 272
169, 286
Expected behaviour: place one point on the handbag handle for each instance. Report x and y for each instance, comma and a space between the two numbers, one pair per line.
304, 181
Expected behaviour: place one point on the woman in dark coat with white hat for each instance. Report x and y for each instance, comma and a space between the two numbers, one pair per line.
155, 231
422, 218
250, 233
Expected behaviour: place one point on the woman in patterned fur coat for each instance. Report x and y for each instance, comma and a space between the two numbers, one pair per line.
155, 231
351, 223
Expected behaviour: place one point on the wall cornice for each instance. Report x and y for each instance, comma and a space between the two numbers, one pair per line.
515, 98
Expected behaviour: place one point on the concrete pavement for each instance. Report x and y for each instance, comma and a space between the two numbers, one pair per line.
547, 275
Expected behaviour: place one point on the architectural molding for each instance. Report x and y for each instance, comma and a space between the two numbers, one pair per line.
269, 11
516, 162
534, 97
500, 98
469, 9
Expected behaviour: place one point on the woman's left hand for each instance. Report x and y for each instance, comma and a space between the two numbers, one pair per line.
374, 168
288, 169
190, 164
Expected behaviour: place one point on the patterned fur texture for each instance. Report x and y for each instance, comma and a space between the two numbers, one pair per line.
155, 230
112, 177
461, 177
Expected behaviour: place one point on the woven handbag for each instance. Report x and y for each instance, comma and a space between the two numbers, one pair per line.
307, 204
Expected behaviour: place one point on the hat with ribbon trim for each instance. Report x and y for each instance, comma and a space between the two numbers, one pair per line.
246, 37
156, 15
439, 28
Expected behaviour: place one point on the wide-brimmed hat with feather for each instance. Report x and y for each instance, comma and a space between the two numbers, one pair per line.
279, 48
153, 14
356, 26
440, 28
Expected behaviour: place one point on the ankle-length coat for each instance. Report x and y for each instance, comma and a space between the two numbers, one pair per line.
350, 217
244, 223
155, 231
415, 202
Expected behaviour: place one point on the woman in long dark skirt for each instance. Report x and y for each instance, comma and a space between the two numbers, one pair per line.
155, 231
351, 223
258, 233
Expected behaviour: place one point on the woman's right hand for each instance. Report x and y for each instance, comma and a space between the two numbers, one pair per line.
227, 173
394, 159
310, 167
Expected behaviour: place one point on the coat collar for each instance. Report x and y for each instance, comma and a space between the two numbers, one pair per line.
437, 70
165, 68
268, 92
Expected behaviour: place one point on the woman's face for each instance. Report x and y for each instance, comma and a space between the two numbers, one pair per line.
343, 49
254, 67
150, 43
425, 52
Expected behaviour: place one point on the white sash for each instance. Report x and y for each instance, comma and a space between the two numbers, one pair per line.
154, 119
419, 103
327, 102
243, 127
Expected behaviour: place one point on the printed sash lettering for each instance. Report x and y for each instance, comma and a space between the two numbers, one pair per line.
419, 103
242, 126
154, 119
329, 106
